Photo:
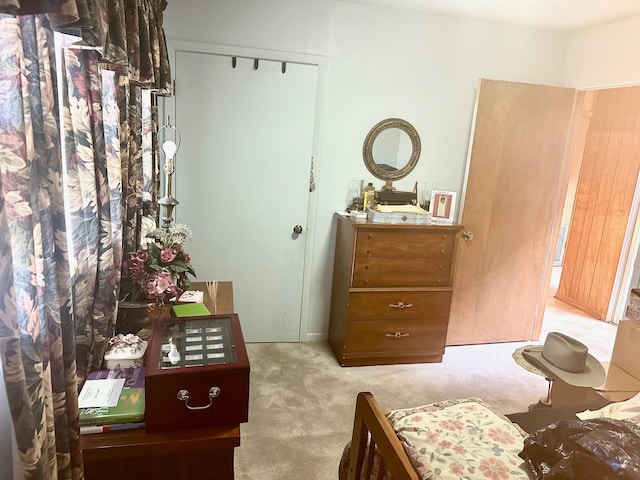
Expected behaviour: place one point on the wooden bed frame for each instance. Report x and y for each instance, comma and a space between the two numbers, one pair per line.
373, 433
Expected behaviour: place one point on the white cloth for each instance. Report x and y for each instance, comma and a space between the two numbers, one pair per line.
618, 410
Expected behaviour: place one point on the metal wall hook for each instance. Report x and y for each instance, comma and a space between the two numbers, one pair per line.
255, 63
234, 62
284, 67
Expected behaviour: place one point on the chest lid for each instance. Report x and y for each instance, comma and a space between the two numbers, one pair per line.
194, 343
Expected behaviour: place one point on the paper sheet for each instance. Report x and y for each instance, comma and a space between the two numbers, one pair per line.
100, 393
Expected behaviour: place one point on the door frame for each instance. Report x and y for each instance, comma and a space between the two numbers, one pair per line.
167, 111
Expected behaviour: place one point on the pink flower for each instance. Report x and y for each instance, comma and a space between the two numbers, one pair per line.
451, 424
167, 255
135, 268
157, 285
432, 437
494, 469
459, 449
500, 436
456, 469
445, 444
160, 271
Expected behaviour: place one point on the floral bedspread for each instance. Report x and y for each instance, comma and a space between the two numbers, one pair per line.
460, 439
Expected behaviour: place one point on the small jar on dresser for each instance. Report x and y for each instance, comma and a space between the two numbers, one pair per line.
391, 295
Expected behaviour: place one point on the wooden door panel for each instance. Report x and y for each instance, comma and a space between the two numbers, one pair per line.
513, 193
622, 186
606, 186
598, 194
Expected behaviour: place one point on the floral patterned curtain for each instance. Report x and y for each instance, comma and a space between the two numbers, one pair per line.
94, 184
43, 305
36, 326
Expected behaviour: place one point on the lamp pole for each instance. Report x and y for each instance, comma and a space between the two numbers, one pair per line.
168, 202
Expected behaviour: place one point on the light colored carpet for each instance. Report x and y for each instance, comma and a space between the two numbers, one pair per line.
302, 402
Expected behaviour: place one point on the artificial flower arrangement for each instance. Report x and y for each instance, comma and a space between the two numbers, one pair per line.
160, 269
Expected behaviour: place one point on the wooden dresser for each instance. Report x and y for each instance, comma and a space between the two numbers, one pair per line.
392, 287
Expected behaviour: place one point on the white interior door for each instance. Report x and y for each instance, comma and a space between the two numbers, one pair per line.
242, 180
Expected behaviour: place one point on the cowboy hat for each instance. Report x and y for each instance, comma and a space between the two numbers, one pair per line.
567, 359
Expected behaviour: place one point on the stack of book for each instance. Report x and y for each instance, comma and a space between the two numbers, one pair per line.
127, 413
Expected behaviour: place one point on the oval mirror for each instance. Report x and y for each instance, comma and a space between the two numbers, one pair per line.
391, 149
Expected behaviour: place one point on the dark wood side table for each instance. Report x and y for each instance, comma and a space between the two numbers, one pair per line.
205, 453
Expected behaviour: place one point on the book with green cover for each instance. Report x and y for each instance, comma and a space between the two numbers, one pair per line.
190, 310
130, 408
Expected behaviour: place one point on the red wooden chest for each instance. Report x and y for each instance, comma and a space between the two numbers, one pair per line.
197, 374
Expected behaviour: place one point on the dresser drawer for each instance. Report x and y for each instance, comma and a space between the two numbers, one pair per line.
401, 272
402, 243
395, 335
399, 305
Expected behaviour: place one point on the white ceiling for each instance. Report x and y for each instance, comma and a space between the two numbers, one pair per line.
565, 15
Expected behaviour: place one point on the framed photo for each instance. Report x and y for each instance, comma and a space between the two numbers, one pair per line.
443, 206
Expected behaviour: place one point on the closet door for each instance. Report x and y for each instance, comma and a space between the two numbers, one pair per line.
242, 180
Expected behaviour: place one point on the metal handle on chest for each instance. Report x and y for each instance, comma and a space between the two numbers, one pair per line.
396, 335
183, 396
401, 305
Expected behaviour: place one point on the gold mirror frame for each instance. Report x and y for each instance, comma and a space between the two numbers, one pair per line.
367, 149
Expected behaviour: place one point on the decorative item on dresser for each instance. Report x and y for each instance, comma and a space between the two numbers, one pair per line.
392, 287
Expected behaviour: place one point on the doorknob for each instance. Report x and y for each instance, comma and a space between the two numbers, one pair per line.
467, 234
297, 229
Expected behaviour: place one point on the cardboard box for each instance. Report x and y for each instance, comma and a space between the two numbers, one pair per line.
626, 350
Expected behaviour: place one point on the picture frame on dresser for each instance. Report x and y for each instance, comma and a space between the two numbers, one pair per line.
442, 206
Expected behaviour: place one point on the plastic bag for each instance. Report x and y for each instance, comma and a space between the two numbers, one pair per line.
598, 449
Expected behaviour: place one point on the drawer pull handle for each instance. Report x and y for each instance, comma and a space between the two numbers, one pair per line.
183, 396
401, 305
396, 335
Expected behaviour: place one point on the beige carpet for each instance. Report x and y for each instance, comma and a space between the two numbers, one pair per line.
302, 402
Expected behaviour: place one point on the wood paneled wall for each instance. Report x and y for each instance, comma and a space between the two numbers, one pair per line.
607, 182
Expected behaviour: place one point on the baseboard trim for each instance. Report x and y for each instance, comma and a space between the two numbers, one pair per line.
314, 337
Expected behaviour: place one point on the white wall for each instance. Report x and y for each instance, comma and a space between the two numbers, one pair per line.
380, 63
604, 56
